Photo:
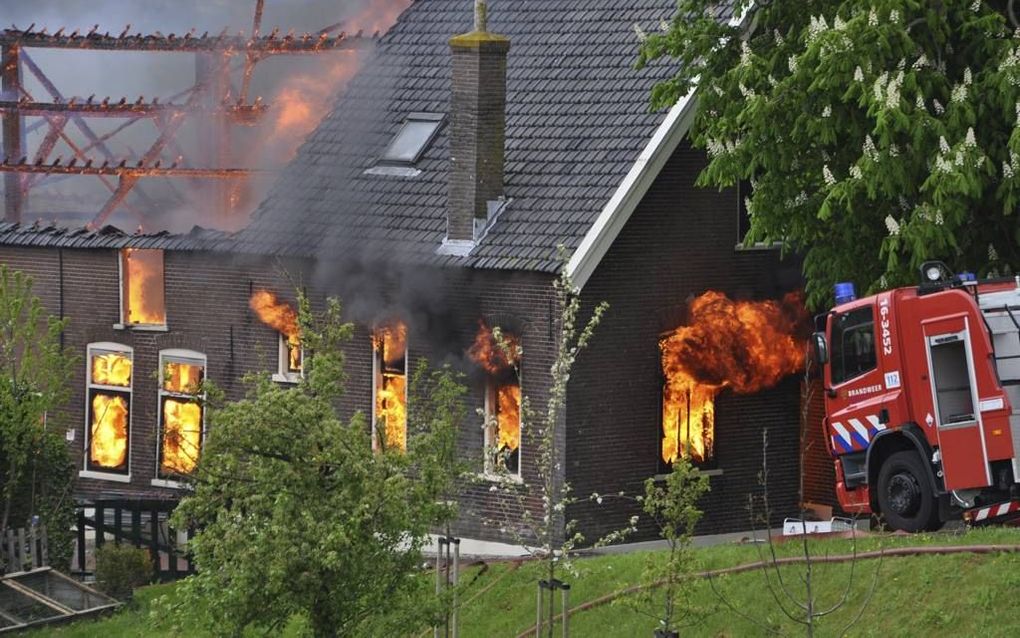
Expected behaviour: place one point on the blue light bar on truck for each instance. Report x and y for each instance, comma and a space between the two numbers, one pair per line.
845, 293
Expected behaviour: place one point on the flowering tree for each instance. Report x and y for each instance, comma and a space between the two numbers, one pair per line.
875, 134
549, 535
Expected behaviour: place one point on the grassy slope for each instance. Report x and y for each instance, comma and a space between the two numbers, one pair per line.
952, 595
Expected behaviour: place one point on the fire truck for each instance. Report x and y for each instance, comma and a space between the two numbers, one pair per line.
922, 399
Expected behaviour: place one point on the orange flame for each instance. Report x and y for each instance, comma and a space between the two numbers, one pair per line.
390, 345
184, 378
182, 436
304, 100
281, 317
746, 346
111, 369
144, 301
508, 416
108, 439
494, 358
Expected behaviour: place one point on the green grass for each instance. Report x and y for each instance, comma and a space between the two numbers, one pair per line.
953, 595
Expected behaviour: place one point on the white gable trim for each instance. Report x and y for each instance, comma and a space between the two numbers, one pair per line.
631, 191
639, 179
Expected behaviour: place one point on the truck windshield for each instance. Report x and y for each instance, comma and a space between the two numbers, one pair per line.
853, 344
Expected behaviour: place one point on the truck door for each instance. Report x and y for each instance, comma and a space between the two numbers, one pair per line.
857, 390
954, 396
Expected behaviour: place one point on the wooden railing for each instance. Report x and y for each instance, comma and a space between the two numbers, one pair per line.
23, 549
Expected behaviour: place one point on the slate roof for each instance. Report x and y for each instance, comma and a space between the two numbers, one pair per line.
52, 236
577, 118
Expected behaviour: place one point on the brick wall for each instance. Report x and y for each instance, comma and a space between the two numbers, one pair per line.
207, 311
678, 244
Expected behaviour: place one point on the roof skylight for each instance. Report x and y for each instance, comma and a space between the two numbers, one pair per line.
417, 132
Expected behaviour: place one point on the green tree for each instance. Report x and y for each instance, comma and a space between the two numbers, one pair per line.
299, 518
876, 134
673, 505
35, 469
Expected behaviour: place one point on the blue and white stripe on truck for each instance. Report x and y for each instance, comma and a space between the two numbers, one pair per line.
855, 435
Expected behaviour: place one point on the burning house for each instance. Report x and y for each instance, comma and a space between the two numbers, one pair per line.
432, 200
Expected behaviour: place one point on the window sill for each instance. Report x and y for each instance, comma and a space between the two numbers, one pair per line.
141, 327
173, 485
489, 477
709, 473
286, 378
760, 246
105, 476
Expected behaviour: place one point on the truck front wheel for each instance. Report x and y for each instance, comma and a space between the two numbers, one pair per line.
905, 497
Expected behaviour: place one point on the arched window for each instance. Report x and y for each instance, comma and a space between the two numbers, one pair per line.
181, 412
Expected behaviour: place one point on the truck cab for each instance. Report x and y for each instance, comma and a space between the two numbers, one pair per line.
919, 387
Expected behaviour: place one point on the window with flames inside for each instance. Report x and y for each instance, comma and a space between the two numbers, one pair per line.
181, 411
688, 412
499, 355
108, 410
389, 419
142, 288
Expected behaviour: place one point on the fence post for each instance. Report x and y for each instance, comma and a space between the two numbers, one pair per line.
100, 527
154, 538
81, 540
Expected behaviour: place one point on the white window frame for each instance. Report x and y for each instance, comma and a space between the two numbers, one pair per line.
106, 347
283, 373
176, 356
490, 430
377, 370
124, 324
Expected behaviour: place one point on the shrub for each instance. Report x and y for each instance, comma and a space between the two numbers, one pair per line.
122, 568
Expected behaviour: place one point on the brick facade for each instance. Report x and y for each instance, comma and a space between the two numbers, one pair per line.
679, 243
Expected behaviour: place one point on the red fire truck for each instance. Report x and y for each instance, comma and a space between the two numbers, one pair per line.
922, 399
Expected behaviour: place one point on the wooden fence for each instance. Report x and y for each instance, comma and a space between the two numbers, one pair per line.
22, 550
139, 523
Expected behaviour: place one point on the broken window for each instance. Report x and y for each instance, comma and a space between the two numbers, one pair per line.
282, 317
414, 136
108, 410
142, 292
389, 410
499, 355
181, 411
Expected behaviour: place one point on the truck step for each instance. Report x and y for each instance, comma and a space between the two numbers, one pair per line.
997, 513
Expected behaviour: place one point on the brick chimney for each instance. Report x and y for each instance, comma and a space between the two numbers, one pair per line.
476, 132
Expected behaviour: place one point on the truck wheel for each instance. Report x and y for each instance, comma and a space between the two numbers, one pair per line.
905, 497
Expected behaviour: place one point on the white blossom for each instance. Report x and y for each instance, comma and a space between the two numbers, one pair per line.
778, 36
827, 111
993, 255
640, 33
827, 175
855, 172
816, 27
663, 25
976, 6
858, 75
959, 94
969, 141
894, 16
968, 77
943, 144
920, 62
745, 53
939, 109
938, 218
838, 24
920, 102
873, 18
1007, 170
892, 225
792, 63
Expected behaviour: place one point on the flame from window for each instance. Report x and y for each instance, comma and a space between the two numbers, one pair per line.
108, 438
500, 360
143, 287
493, 358
508, 399
113, 369
390, 345
182, 436
181, 377
746, 346
280, 316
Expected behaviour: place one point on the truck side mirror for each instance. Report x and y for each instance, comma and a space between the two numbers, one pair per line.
821, 348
